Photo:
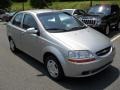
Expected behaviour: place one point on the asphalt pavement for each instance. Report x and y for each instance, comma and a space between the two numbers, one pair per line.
21, 72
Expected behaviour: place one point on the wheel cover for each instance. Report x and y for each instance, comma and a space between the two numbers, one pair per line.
119, 25
52, 68
12, 46
107, 30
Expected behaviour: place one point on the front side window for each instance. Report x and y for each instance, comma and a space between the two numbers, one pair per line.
115, 9
59, 21
17, 19
29, 22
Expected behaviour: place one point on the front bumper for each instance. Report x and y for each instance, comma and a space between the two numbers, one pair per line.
90, 68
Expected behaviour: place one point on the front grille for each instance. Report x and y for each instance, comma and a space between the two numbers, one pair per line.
89, 21
103, 51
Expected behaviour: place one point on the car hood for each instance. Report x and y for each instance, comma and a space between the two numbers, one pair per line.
85, 39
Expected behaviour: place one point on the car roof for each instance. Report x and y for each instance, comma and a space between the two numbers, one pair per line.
36, 11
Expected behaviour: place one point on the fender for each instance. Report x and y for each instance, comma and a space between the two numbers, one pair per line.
55, 52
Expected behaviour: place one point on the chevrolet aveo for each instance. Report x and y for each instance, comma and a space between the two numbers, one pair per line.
65, 45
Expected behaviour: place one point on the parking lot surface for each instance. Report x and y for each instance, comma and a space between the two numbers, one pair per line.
21, 72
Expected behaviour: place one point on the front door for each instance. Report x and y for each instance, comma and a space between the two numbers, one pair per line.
30, 42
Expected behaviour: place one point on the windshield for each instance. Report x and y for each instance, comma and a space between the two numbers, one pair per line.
59, 22
97, 10
69, 11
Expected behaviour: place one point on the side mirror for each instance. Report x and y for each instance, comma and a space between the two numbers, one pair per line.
31, 31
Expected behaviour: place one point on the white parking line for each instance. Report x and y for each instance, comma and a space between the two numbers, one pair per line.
115, 38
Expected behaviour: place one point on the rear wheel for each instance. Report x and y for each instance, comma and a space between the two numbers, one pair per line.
53, 67
12, 45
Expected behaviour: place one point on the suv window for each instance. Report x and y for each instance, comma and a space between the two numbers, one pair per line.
17, 20
115, 9
29, 22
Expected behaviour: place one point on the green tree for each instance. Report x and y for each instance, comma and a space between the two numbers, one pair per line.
5, 4
39, 3
19, 0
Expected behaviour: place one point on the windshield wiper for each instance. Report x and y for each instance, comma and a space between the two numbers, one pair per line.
77, 28
56, 29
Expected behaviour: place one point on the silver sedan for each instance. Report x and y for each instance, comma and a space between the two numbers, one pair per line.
64, 44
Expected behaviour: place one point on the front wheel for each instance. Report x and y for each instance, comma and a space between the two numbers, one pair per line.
107, 30
53, 67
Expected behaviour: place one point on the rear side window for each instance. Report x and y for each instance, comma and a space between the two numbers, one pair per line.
17, 20
29, 22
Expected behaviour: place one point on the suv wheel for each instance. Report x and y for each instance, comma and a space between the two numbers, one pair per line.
118, 26
12, 45
53, 67
107, 30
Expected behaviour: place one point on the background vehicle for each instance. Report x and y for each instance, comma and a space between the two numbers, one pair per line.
7, 16
59, 41
75, 12
2, 12
108, 17
102, 17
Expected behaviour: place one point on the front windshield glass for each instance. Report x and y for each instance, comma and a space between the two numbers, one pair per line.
99, 10
60, 22
69, 11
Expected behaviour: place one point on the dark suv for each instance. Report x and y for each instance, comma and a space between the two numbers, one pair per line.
103, 17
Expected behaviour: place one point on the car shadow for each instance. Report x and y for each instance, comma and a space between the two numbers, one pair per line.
96, 82
32, 62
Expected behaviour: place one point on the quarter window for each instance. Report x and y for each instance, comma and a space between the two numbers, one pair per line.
18, 19
29, 22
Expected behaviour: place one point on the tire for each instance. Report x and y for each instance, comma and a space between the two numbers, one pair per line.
118, 26
12, 45
54, 68
107, 30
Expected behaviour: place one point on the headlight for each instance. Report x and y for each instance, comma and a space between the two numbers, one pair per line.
80, 56
98, 21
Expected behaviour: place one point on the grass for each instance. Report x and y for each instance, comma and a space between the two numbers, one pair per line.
64, 5
80, 5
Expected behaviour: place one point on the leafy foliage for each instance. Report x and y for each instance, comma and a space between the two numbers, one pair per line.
5, 4
39, 3
19, 0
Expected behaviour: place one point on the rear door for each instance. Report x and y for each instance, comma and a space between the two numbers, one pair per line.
16, 30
